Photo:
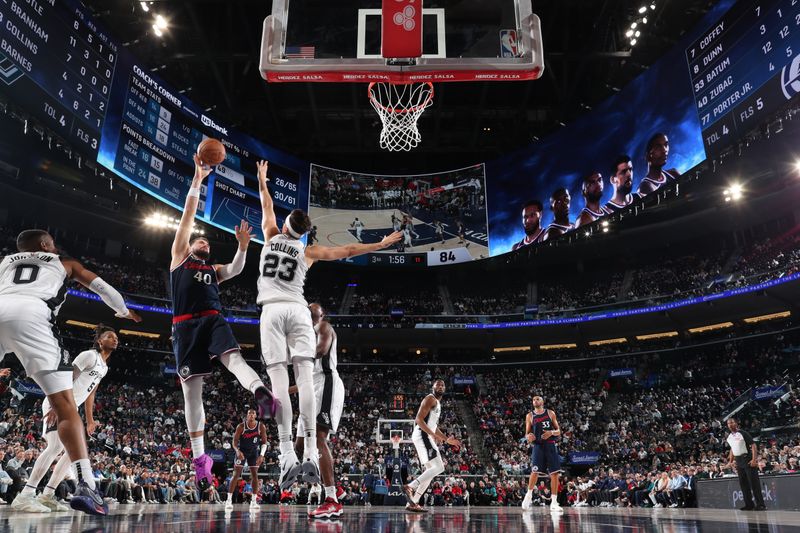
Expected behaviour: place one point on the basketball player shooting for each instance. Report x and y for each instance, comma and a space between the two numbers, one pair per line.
425, 436
541, 431
33, 286
287, 331
199, 331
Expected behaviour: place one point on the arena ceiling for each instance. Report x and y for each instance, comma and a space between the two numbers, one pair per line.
211, 53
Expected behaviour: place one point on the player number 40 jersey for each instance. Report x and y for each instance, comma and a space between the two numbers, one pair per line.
282, 271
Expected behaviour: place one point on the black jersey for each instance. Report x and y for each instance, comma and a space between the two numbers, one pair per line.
541, 422
195, 288
250, 440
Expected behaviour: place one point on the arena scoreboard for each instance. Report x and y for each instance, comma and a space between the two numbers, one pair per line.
745, 68
58, 64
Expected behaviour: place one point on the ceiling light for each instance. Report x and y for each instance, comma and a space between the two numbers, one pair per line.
643, 9
644, 20
629, 33
145, 7
633, 25
633, 42
653, 7
157, 31
638, 33
161, 22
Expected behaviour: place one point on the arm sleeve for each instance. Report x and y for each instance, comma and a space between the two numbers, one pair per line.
234, 268
748, 440
110, 296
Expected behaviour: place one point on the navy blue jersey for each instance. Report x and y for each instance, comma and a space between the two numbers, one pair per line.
195, 287
250, 440
541, 422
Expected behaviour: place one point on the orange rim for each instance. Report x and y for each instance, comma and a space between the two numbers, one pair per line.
400, 111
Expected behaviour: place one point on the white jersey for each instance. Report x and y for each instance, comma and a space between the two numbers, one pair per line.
92, 369
432, 420
357, 224
37, 274
283, 270
328, 362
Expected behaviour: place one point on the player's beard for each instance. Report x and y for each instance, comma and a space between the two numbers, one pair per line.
438, 395
594, 197
201, 254
531, 231
626, 188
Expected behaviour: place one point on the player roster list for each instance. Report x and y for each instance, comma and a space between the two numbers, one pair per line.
745, 67
57, 62
154, 144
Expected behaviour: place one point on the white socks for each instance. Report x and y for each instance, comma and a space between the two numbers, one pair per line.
330, 492
198, 447
83, 471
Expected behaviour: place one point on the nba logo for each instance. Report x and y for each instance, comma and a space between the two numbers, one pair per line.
508, 44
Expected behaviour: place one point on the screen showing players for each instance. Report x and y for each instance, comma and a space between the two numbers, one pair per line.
723, 78
442, 216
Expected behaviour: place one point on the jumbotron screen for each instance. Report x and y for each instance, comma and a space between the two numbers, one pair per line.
740, 64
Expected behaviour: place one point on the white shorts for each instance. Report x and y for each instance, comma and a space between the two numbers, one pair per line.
286, 332
329, 392
427, 449
28, 328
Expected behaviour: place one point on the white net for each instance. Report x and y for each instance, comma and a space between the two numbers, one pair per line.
399, 106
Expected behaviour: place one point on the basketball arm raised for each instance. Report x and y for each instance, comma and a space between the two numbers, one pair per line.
269, 222
180, 246
328, 253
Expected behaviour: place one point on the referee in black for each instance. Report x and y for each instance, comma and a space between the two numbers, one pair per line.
745, 454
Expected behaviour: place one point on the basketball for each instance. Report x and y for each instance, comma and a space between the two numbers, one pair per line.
211, 152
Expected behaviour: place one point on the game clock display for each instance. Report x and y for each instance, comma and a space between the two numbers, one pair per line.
744, 68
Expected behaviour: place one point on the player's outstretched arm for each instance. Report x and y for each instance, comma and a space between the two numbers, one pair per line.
180, 246
327, 253
235, 267
269, 223
110, 296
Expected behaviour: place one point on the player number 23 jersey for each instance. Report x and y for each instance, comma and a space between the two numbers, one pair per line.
282, 271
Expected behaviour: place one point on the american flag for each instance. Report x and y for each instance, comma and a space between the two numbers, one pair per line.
300, 52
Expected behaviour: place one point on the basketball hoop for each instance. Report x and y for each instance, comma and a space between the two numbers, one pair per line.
396, 441
399, 105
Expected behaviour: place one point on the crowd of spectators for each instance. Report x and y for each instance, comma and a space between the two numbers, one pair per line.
662, 421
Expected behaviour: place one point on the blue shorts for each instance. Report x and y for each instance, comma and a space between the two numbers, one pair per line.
250, 460
545, 458
197, 341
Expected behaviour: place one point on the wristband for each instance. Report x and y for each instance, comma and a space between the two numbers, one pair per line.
194, 192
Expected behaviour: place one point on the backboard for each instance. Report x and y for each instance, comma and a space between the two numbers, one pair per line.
389, 427
351, 41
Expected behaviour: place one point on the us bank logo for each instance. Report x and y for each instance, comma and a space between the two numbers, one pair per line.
790, 79
9, 72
